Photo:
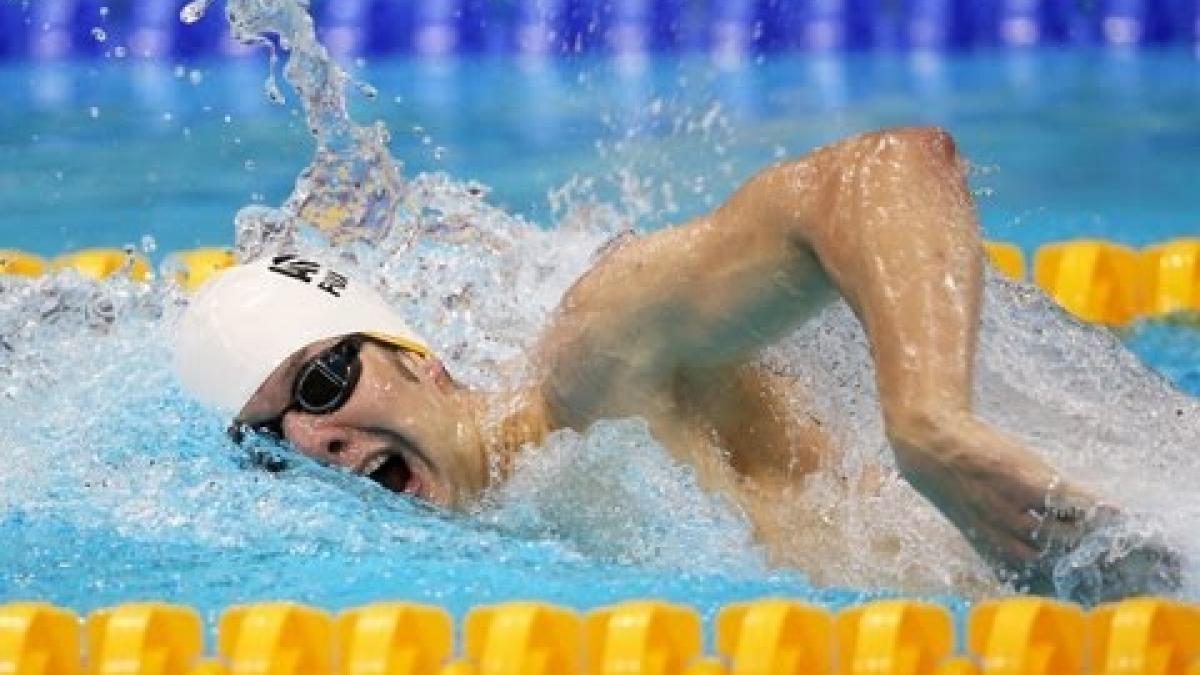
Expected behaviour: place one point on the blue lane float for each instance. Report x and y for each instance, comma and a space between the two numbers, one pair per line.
53, 29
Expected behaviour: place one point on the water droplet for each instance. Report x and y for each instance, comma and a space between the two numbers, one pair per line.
250, 165
94, 111
439, 152
196, 76
98, 34
180, 72
104, 10
271, 88
167, 117
194, 11
228, 119
149, 245
120, 52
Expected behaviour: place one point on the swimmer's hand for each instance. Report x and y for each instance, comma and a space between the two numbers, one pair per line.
1040, 532
1097, 553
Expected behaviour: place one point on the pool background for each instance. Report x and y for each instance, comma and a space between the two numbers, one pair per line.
119, 489
1065, 143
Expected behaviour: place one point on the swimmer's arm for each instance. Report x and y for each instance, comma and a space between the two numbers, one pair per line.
704, 296
711, 292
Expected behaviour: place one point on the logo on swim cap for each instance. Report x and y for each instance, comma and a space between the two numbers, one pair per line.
306, 271
247, 320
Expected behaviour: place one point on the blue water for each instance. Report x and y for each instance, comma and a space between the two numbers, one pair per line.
117, 488
1072, 143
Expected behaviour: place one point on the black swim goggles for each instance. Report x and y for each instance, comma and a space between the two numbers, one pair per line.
323, 385
326, 381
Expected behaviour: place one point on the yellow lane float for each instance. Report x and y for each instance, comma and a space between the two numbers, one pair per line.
279, 638
1172, 273
190, 269
894, 637
144, 639
1094, 280
1145, 636
650, 638
1028, 636
958, 666
20, 263
707, 667
394, 638
1007, 258
1013, 636
776, 636
39, 639
524, 638
101, 263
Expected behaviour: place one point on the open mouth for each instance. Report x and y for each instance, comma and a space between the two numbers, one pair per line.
394, 474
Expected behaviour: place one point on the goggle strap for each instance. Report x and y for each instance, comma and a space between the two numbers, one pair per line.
407, 343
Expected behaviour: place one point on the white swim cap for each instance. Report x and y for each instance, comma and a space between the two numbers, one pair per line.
247, 320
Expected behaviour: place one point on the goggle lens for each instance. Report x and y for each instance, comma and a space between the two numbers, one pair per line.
328, 380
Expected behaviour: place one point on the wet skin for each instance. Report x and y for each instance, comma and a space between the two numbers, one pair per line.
668, 326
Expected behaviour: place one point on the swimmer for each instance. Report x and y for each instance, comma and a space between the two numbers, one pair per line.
667, 327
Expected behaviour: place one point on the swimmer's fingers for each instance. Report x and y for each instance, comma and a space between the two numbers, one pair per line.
1101, 553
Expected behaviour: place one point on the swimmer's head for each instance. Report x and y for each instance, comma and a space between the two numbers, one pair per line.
298, 348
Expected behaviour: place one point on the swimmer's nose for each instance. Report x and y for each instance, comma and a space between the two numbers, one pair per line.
329, 443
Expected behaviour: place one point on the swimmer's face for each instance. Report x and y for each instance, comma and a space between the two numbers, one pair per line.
406, 424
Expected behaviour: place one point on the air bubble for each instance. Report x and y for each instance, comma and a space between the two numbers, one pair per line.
99, 35
94, 112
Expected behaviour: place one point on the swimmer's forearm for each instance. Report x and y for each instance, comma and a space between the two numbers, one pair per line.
998, 494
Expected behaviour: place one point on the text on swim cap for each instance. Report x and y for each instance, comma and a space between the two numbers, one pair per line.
306, 271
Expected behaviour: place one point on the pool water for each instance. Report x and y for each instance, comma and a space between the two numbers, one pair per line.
116, 487
1066, 143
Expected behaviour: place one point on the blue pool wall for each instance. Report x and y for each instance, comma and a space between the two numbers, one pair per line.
47, 29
